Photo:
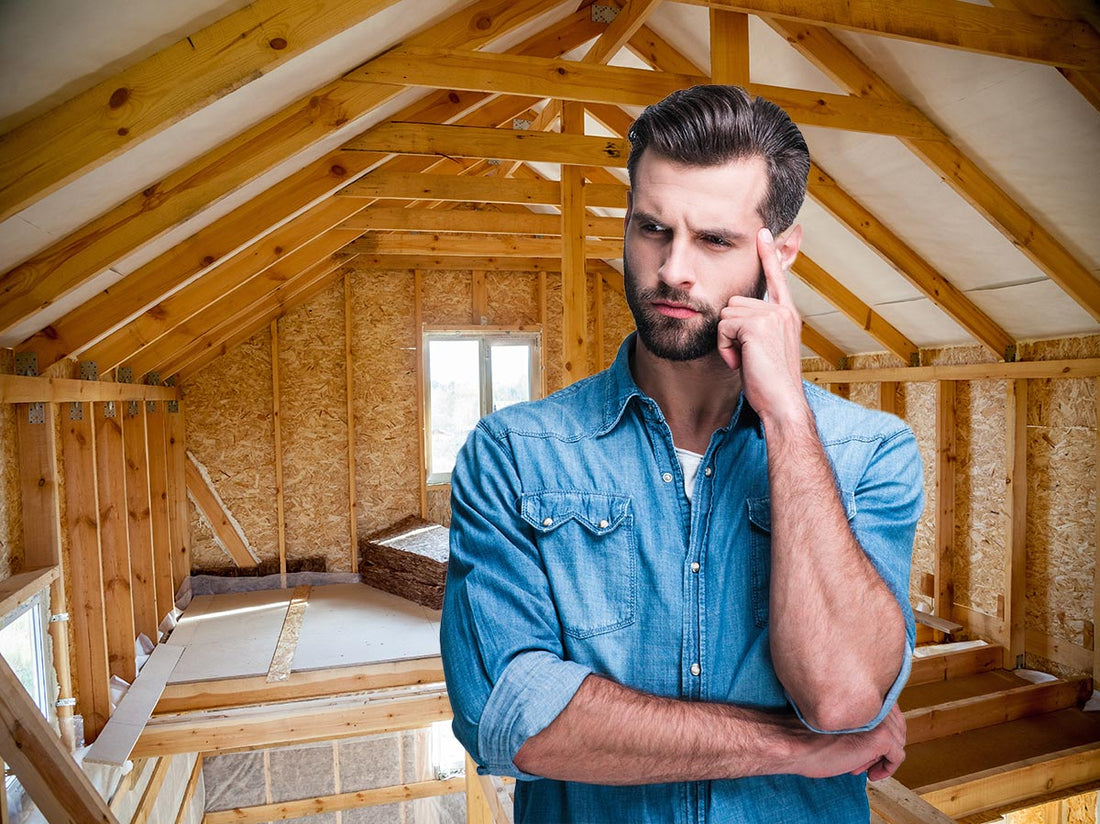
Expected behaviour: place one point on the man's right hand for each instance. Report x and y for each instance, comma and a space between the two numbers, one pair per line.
878, 752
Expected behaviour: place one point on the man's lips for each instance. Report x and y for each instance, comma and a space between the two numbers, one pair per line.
674, 310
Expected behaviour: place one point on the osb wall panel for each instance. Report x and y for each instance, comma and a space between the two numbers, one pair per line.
439, 504
387, 439
229, 429
617, 322
513, 298
447, 298
551, 334
314, 430
919, 404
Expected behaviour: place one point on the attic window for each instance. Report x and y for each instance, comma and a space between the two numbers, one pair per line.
23, 646
470, 374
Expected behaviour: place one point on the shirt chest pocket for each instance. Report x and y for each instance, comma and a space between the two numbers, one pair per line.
588, 547
760, 551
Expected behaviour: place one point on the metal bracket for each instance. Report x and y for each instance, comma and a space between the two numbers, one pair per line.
604, 14
842, 363
76, 411
26, 364
172, 406
36, 412
495, 161
59, 616
124, 374
132, 409
520, 124
1010, 353
108, 409
914, 358
65, 702
89, 370
152, 379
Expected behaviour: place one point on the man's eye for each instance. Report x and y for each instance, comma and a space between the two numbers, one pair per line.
715, 240
653, 228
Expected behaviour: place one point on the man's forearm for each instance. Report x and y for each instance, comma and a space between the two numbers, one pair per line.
837, 634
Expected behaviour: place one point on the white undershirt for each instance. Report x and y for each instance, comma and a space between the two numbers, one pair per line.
689, 463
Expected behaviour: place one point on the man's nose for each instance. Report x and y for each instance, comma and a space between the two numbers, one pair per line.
677, 269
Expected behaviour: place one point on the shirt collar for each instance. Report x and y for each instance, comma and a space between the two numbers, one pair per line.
620, 388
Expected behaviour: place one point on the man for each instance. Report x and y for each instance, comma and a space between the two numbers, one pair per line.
678, 589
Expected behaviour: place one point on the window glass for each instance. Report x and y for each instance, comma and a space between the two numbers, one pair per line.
455, 398
21, 644
511, 371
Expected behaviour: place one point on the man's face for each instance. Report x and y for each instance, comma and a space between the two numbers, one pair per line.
690, 245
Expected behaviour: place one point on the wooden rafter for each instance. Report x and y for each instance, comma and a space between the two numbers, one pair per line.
476, 245
953, 165
813, 339
570, 80
1001, 32
39, 156
84, 253
1080, 368
476, 221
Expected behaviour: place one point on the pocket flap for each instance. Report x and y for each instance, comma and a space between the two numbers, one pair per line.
598, 512
760, 509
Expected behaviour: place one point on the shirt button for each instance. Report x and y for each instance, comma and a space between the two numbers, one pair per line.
696, 669
604, 524
547, 521
694, 566
708, 471
667, 477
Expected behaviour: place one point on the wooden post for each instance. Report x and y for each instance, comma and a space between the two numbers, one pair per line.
177, 486
477, 806
157, 450
118, 599
421, 376
1015, 522
139, 524
543, 315
89, 622
888, 397
30, 746
276, 417
729, 47
574, 327
349, 394
601, 361
945, 497
42, 538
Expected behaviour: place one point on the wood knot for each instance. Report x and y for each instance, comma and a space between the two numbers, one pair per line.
338, 170
119, 98
123, 132
278, 250
277, 43
208, 260
483, 22
453, 97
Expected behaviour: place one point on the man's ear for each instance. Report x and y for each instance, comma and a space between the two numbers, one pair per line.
788, 244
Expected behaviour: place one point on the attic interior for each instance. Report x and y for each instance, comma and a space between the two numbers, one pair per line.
259, 259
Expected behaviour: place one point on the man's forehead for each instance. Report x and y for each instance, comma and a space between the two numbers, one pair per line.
659, 182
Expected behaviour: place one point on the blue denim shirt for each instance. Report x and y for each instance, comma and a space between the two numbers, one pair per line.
573, 548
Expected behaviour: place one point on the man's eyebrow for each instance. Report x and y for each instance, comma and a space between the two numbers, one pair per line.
645, 217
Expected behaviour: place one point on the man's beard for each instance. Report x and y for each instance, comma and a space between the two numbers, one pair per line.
676, 339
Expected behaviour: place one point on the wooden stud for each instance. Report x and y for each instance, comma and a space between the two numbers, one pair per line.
210, 505
477, 803
28, 389
888, 397
152, 791
597, 285
277, 434
1015, 591
115, 538
421, 378
31, 748
349, 396
729, 47
88, 617
479, 305
1083, 368
177, 486
409, 186
543, 317
574, 330
1096, 544
946, 423
139, 523
157, 446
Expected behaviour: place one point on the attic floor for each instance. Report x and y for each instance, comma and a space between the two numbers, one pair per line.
235, 635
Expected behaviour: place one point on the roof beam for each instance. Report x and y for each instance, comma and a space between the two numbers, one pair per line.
959, 25
476, 245
814, 276
475, 221
86, 252
826, 52
462, 188
392, 263
39, 156
815, 341
570, 80
631, 17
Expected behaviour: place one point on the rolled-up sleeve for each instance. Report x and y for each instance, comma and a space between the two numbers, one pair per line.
500, 637
888, 503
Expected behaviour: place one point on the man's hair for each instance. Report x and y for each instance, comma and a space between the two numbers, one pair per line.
712, 125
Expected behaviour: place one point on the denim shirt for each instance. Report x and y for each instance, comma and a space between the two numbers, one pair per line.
574, 550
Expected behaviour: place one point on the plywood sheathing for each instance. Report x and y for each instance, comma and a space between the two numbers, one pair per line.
229, 425
387, 451
314, 430
551, 334
513, 298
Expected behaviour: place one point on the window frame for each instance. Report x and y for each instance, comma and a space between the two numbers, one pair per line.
487, 337
36, 606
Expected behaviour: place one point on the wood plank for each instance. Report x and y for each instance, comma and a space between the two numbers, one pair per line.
926, 670
946, 458
888, 397
423, 447
300, 723
463, 188
88, 617
17, 589
895, 803
239, 692
495, 796
429, 263
34, 389
952, 717
349, 397
151, 792
729, 47
1000, 32
1059, 650
1015, 522
39, 156
475, 245
630, 18
477, 802
574, 285
1015, 782
936, 622
98, 244
569, 80
139, 522
285, 647
340, 801
116, 743
277, 437
157, 451
1083, 368
177, 485
815, 341
987, 627
114, 539
44, 767
210, 505
476, 221
814, 276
